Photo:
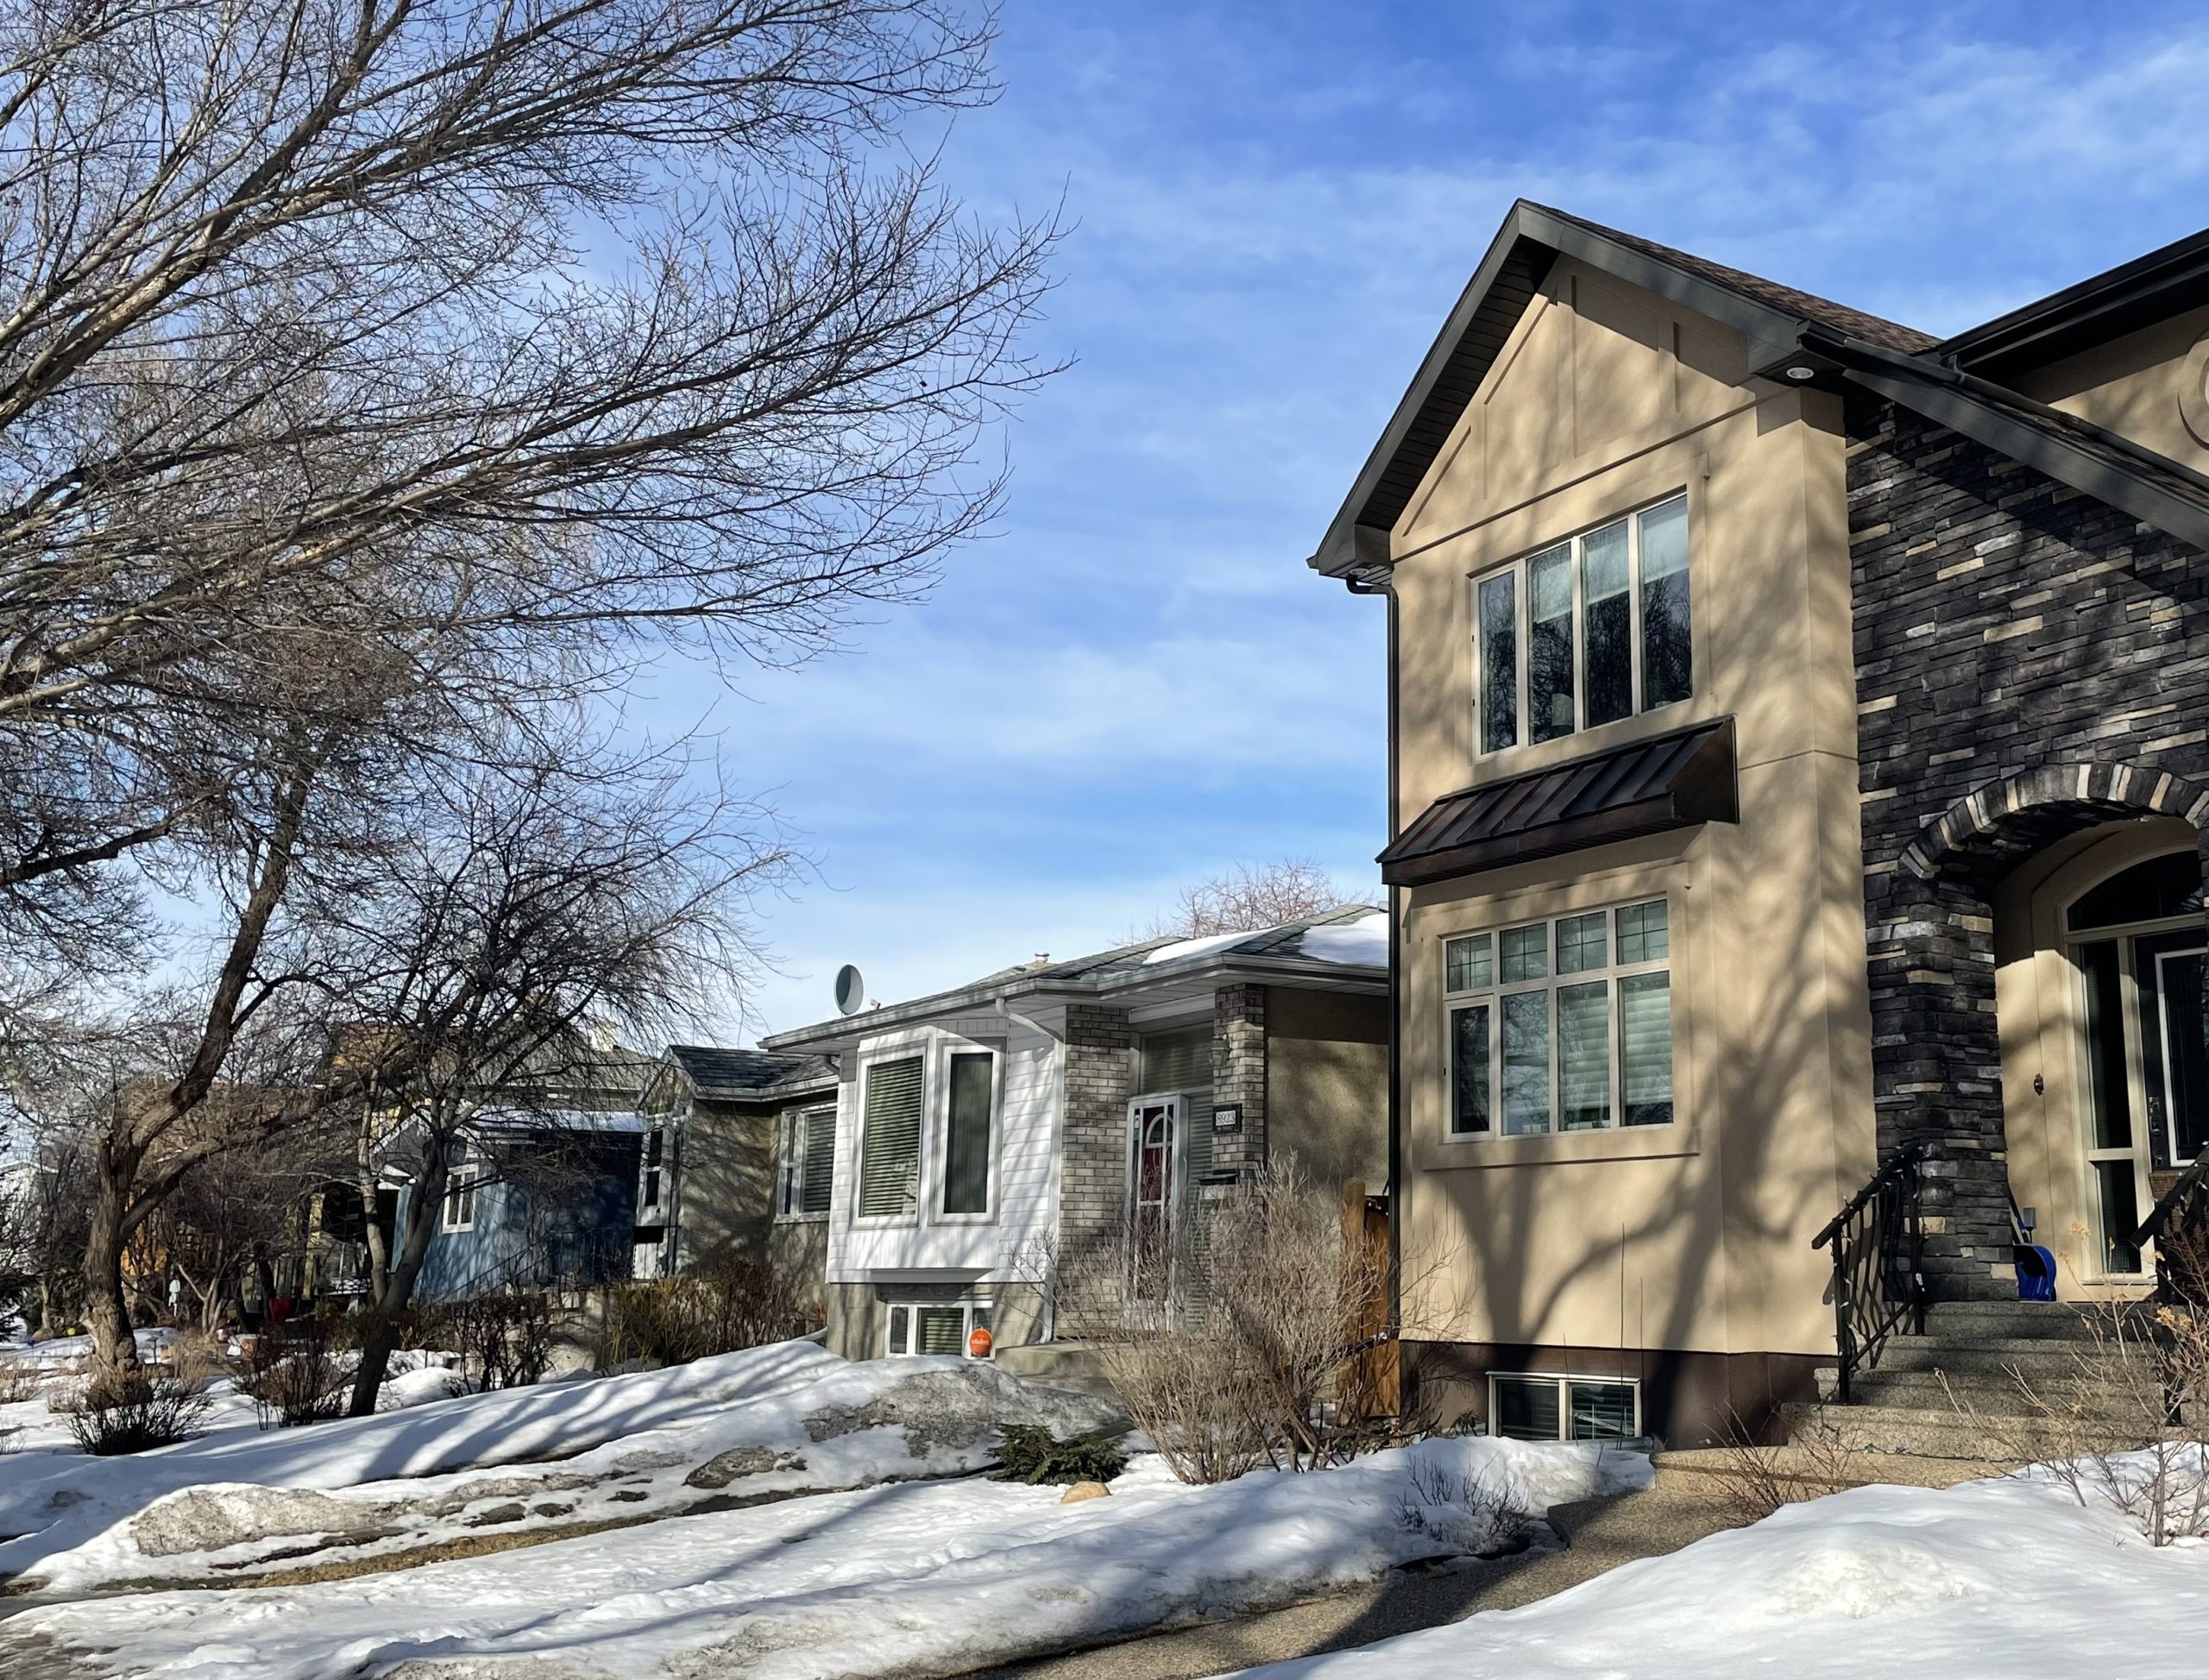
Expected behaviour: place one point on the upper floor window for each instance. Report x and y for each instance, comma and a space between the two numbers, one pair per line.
808, 1163
1585, 633
1563, 1025
928, 1118
462, 1179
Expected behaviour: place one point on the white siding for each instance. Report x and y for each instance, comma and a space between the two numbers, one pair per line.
1025, 1188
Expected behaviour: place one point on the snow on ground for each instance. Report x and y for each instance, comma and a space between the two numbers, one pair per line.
920, 1578
1364, 940
32, 1425
768, 1422
2001, 1580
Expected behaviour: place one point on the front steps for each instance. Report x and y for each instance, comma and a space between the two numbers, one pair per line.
1959, 1390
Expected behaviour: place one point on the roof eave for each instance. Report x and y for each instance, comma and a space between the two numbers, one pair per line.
2093, 311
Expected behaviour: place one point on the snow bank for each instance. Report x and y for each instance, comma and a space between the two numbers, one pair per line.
2007, 1580
918, 1579
1364, 940
765, 1423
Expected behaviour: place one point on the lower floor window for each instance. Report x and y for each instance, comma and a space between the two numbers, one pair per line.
936, 1327
1565, 1408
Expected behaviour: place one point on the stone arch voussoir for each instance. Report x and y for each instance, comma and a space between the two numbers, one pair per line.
2002, 820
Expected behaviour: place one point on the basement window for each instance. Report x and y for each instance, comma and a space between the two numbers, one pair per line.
934, 1327
1536, 1408
1586, 632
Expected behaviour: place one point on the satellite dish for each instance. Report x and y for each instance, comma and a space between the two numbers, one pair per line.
851, 991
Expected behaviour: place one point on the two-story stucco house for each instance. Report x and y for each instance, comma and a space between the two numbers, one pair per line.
1799, 767
990, 1137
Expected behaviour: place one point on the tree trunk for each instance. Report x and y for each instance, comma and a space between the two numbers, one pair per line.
107, 1313
365, 1182
380, 1334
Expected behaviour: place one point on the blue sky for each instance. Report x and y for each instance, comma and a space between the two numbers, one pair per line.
1135, 683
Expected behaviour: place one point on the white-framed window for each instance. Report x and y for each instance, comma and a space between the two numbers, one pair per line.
808, 1163
654, 1167
462, 1179
1540, 1407
934, 1327
1585, 631
1560, 1025
929, 1131
893, 1096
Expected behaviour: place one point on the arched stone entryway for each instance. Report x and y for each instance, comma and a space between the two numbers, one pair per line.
1936, 1048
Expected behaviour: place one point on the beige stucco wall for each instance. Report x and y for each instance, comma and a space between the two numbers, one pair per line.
2040, 1006
1698, 1236
2151, 386
728, 1190
1327, 1083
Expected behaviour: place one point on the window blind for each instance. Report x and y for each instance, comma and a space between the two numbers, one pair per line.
889, 1144
819, 1161
1182, 1061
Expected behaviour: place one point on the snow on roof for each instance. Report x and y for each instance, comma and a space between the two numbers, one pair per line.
1194, 947
556, 1119
1364, 940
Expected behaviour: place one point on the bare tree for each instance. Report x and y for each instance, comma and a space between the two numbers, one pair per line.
377, 376
1248, 897
476, 966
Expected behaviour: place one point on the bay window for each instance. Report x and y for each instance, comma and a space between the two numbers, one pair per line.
1562, 1025
889, 1137
928, 1125
1586, 632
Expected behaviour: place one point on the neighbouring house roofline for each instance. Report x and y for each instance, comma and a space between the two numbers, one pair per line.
1793, 338
742, 1075
1268, 956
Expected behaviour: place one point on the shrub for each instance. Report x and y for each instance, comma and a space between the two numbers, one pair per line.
724, 1306
504, 1340
130, 1411
20, 1379
195, 1356
1033, 1455
295, 1375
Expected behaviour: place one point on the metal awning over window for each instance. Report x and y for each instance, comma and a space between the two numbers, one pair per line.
1645, 787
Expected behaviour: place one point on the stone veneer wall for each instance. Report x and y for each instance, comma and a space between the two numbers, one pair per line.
2030, 662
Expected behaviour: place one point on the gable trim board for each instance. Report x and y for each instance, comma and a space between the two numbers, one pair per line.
1794, 338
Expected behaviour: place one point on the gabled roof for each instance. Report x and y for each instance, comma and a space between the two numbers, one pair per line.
1793, 336
1344, 948
741, 1074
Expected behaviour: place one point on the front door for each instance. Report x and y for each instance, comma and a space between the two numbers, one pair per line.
1153, 1149
2147, 1045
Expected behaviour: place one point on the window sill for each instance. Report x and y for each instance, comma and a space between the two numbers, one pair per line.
802, 1218
1549, 1149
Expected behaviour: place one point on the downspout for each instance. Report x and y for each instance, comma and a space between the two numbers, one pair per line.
1387, 590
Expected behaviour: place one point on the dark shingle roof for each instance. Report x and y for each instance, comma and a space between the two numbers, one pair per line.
718, 1072
1889, 335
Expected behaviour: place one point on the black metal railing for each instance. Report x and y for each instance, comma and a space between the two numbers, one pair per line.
1879, 1262
2178, 1225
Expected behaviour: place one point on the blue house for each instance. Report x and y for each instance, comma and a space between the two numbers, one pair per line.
537, 1201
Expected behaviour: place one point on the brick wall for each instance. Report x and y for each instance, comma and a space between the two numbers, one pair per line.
1093, 1167
2040, 660
1238, 1049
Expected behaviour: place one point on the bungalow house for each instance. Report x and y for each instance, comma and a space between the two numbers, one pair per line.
738, 1148
1799, 785
985, 1135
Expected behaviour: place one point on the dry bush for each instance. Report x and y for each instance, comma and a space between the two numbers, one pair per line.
2124, 1424
1468, 1515
132, 1410
195, 1356
504, 1340
295, 1374
724, 1306
1757, 1478
1242, 1360
20, 1380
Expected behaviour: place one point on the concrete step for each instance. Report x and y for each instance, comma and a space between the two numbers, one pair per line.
2040, 1359
1990, 1394
1075, 1365
1927, 1432
2056, 1321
